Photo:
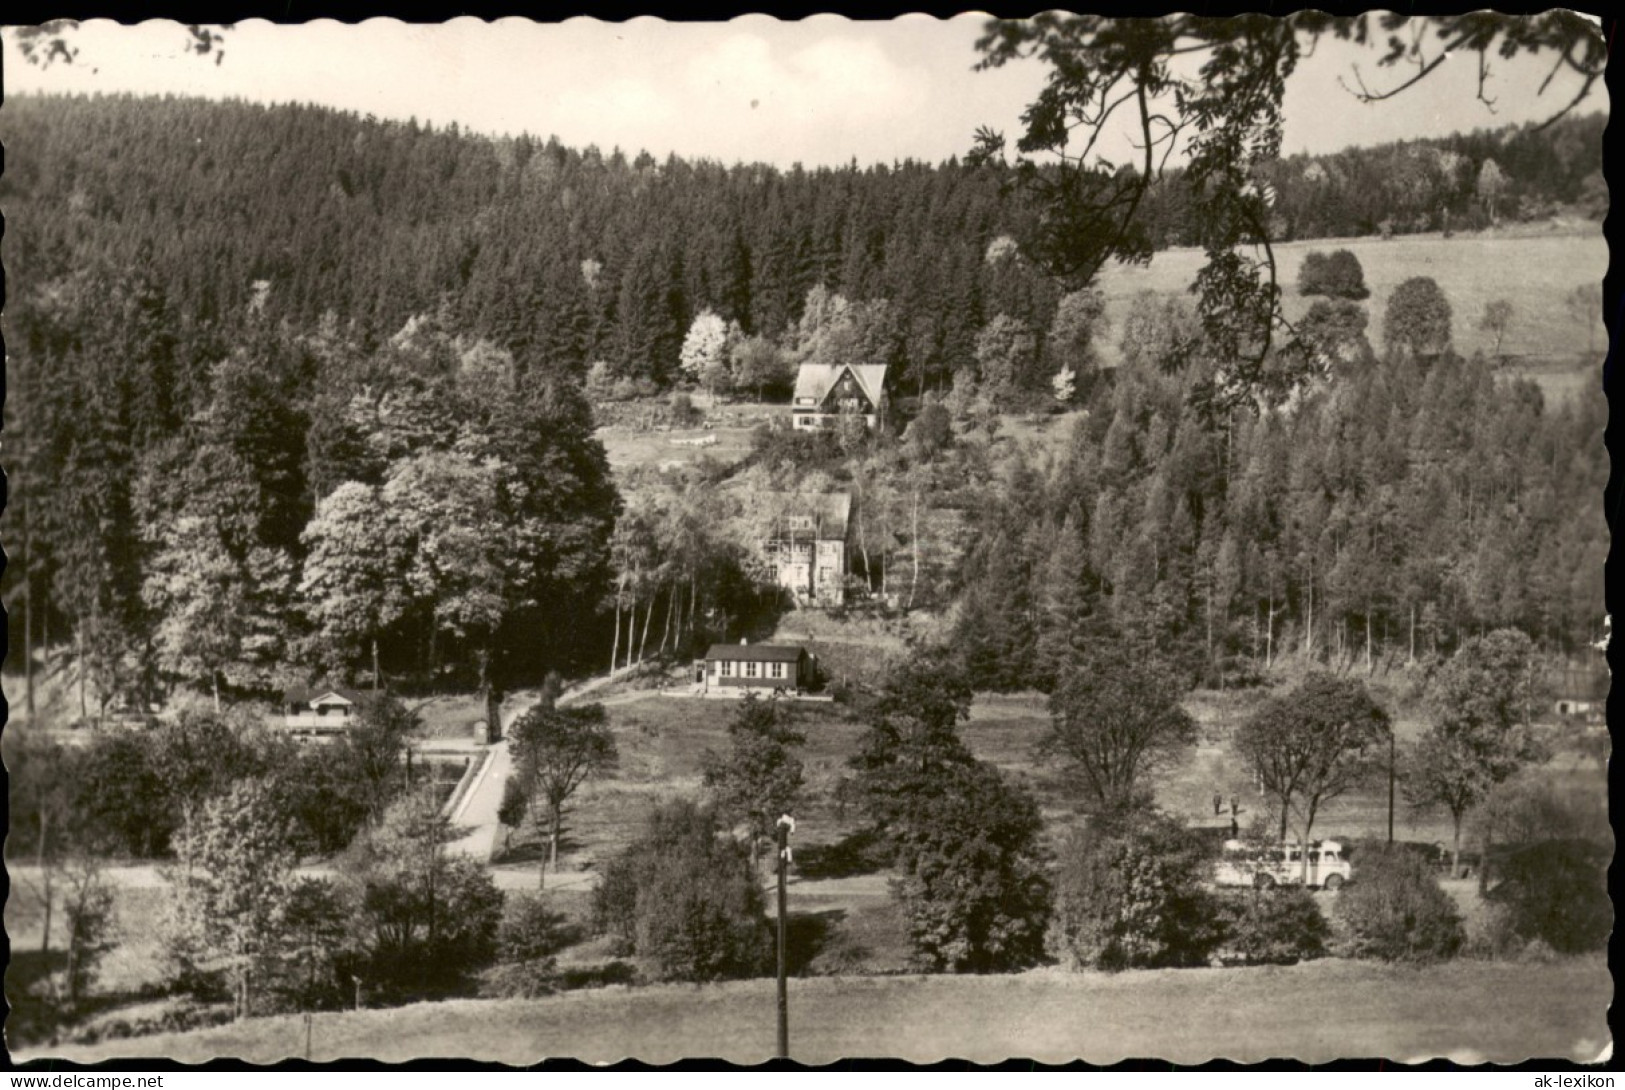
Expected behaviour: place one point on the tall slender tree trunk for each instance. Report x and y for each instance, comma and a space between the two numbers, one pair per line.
631, 632
693, 601
671, 604
555, 817
47, 873
615, 648
1309, 619
1368, 666
214, 683
648, 612
1269, 631
79, 661
914, 579
1455, 846
377, 675
1209, 611
28, 603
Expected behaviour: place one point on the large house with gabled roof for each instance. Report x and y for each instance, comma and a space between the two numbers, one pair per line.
804, 543
825, 391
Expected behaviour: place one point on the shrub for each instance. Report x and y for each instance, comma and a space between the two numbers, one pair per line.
522, 979
1417, 319
1312, 274
1337, 275
684, 900
929, 432
1129, 894
530, 929
1280, 926
1394, 909
1557, 893
682, 411
974, 892
1344, 278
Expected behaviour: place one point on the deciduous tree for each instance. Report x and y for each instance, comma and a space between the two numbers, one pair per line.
1309, 747
556, 751
1115, 717
1481, 731
1417, 320
231, 883
759, 778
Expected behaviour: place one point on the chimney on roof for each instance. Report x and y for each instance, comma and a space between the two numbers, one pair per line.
743, 641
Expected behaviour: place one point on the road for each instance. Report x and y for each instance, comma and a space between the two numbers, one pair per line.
476, 815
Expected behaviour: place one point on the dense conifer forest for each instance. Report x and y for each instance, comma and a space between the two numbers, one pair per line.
286, 385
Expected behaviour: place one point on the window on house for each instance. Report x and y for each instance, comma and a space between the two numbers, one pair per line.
750, 669
778, 669
727, 669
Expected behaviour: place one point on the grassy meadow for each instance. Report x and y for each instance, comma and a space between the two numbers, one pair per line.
1470, 1012
1535, 271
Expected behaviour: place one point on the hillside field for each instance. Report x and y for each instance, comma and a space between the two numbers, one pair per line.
1535, 272
1470, 1012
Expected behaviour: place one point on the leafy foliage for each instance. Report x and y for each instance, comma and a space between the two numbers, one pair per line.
231, 885
685, 900
1278, 926
965, 840
1116, 717
974, 887
1481, 734
1394, 910
1417, 320
530, 936
1309, 746
1337, 275
1557, 892
1225, 79
1130, 894
758, 779
556, 750
427, 922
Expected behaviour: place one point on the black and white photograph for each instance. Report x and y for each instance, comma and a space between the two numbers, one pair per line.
1075, 538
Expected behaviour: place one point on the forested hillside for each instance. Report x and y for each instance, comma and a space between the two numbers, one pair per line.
289, 390
572, 256
1391, 515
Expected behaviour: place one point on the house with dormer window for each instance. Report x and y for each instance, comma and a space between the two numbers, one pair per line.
825, 391
804, 544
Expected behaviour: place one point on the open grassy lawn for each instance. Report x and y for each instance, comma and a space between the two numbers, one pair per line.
135, 960
629, 447
1472, 1012
1535, 272
663, 741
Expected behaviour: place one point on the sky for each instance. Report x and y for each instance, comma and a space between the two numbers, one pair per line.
821, 91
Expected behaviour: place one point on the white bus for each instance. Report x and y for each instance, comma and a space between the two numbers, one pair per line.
1242, 864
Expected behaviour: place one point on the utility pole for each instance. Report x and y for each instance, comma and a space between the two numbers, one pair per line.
1390, 785
786, 825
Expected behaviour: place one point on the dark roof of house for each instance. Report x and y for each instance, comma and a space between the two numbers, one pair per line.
754, 652
304, 694
816, 380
